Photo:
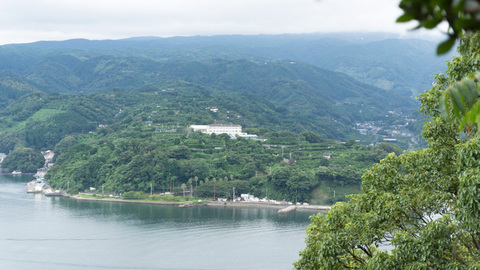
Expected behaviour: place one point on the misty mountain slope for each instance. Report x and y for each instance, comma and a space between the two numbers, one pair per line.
388, 64
383, 60
296, 86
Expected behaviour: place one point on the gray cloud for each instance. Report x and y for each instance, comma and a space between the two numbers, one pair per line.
31, 20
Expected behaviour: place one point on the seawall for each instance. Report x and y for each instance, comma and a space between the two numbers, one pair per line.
314, 208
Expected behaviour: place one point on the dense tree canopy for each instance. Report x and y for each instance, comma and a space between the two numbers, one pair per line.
26, 160
423, 204
134, 160
461, 100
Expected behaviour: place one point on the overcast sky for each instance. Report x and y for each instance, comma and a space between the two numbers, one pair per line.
33, 20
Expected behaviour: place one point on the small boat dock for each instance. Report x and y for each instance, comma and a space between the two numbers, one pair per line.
39, 185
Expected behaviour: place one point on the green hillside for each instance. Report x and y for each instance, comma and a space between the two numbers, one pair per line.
136, 155
129, 140
330, 102
40, 120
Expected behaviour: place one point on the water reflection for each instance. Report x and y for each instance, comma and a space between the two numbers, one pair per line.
154, 214
60, 233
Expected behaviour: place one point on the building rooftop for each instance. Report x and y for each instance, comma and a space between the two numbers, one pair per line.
223, 125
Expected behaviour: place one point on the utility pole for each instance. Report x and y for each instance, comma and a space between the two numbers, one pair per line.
151, 189
233, 193
102, 188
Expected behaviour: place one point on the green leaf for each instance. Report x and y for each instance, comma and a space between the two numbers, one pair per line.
468, 90
444, 106
457, 100
445, 46
430, 24
404, 18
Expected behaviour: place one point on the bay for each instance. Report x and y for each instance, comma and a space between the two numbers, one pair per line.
38, 232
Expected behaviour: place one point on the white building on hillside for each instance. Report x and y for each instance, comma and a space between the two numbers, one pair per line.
201, 128
232, 130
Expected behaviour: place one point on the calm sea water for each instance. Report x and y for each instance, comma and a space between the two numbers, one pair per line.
38, 232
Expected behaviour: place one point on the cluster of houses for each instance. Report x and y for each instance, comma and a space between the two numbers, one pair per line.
250, 198
373, 127
39, 185
48, 155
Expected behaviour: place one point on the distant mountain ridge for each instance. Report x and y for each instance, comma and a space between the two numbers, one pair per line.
384, 60
296, 86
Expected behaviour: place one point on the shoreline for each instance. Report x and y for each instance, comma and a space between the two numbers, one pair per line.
315, 208
268, 205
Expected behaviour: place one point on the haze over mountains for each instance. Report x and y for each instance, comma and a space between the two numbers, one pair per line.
404, 65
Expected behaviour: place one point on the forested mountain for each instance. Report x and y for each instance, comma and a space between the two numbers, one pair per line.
129, 140
332, 102
383, 60
40, 120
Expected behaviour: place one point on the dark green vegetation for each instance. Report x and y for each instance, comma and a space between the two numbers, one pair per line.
295, 96
460, 101
307, 97
286, 166
129, 141
41, 121
26, 160
425, 204
82, 66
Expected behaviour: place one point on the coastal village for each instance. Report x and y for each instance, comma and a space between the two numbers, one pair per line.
399, 130
40, 186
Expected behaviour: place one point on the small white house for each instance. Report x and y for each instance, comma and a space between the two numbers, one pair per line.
249, 198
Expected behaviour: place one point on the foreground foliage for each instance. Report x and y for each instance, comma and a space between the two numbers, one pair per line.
419, 210
460, 15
